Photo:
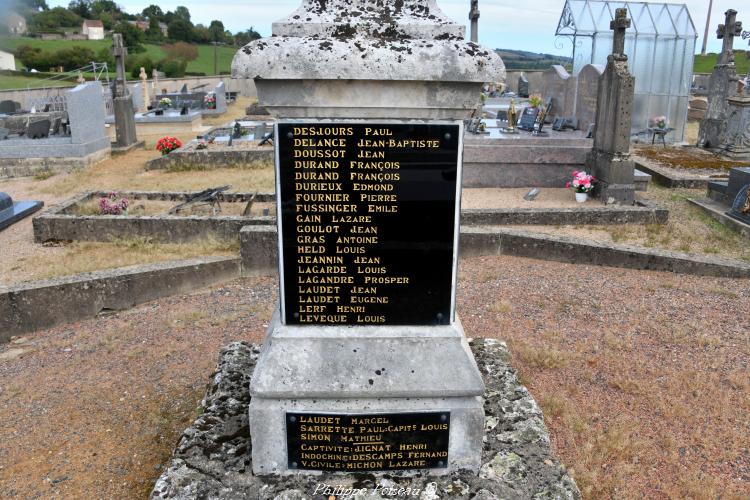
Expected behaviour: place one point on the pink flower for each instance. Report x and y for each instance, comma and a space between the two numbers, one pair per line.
567, 184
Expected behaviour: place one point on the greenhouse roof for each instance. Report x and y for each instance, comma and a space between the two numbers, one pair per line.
589, 17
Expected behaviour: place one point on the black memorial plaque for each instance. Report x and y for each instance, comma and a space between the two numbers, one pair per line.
528, 118
351, 443
368, 222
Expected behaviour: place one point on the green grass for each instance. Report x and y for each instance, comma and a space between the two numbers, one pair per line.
204, 63
21, 82
705, 64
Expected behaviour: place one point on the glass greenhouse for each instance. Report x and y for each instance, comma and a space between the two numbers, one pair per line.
660, 45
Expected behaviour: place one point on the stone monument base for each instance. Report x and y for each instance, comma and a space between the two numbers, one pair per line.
212, 457
616, 175
124, 121
737, 139
365, 370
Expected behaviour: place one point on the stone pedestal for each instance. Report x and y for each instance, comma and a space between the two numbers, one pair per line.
124, 121
736, 143
723, 84
365, 370
609, 160
373, 60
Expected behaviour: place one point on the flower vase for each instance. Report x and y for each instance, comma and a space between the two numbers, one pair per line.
582, 197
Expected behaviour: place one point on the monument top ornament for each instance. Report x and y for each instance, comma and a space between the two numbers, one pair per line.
368, 40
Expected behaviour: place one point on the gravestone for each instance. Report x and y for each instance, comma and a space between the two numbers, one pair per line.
123, 103
738, 178
587, 93
11, 212
86, 115
610, 159
523, 86
365, 366
741, 206
560, 86
528, 119
221, 97
7, 107
736, 143
722, 85
38, 129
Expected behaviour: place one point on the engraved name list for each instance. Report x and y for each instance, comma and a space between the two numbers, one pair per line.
368, 220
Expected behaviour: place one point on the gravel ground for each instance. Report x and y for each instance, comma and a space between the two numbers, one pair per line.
643, 377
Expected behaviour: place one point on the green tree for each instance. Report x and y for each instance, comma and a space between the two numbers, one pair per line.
181, 30
99, 7
80, 7
153, 12
244, 37
132, 37
51, 19
201, 34
182, 13
217, 31
153, 33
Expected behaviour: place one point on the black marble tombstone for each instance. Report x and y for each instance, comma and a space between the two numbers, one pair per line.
7, 107
741, 206
38, 129
184, 89
11, 212
523, 86
528, 119
4, 133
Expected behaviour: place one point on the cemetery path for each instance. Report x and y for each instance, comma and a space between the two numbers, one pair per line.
643, 378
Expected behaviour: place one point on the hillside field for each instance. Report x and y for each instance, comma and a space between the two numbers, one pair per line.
204, 63
705, 64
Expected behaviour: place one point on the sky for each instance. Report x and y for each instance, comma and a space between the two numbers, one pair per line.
503, 23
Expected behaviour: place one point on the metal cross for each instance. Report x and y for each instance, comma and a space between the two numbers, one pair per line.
619, 24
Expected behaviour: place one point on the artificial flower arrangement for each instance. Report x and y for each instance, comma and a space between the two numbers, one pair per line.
659, 121
209, 101
202, 144
582, 182
165, 102
112, 206
168, 144
535, 100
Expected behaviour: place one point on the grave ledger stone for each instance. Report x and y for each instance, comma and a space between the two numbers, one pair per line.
366, 366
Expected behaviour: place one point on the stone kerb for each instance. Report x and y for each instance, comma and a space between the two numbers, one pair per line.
587, 89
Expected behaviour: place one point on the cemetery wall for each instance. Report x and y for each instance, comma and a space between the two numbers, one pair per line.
244, 87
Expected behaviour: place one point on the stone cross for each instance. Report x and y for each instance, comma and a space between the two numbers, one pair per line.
474, 18
619, 24
119, 51
726, 32
154, 79
80, 78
